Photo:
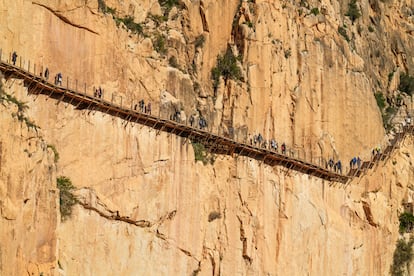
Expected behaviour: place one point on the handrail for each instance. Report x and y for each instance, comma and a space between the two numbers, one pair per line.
81, 100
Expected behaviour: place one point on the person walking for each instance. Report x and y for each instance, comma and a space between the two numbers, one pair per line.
47, 73
149, 108
14, 58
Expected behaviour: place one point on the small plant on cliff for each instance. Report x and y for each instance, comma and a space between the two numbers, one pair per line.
129, 23
167, 5
213, 215
66, 197
342, 31
172, 61
406, 222
200, 152
314, 11
402, 257
102, 7
159, 43
379, 97
353, 11
406, 84
22, 107
55, 152
226, 67
199, 41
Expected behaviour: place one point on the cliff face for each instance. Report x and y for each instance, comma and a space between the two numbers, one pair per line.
145, 206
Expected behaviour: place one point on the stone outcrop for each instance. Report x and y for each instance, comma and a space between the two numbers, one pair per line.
145, 205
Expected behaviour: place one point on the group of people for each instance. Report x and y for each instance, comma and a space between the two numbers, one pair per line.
58, 79
376, 151
355, 163
98, 92
335, 166
142, 107
257, 140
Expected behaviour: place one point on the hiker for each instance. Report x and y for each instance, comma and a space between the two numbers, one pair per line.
353, 162
100, 92
14, 58
378, 150
255, 139
47, 73
135, 107
260, 139
141, 105
339, 166
273, 144
177, 116
283, 148
59, 79
358, 161
191, 120
149, 108
330, 163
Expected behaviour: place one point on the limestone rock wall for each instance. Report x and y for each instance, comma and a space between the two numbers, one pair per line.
29, 208
146, 207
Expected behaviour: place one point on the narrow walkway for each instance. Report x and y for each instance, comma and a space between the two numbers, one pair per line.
212, 142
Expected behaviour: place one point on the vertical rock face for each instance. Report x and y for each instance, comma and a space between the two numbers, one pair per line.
145, 206
28, 198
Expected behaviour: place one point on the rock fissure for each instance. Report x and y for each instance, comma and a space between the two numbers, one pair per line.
243, 239
115, 216
64, 19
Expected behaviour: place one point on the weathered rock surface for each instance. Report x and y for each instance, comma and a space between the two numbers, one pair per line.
146, 207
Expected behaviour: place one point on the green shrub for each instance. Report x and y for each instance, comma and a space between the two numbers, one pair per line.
200, 152
342, 31
172, 61
159, 43
379, 97
158, 19
370, 29
102, 7
402, 257
213, 215
353, 11
167, 5
304, 3
129, 23
406, 84
406, 222
22, 107
199, 41
226, 67
66, 197
55, 152
288, 53
314, 11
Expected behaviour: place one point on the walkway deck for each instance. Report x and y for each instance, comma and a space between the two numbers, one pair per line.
212, 142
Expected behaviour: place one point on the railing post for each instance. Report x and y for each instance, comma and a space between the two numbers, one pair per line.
34, 69
85, 88
67, 83
1, 52
76, 85
20, 61
28, 67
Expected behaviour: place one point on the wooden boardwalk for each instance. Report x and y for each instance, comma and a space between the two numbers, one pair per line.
212, 142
